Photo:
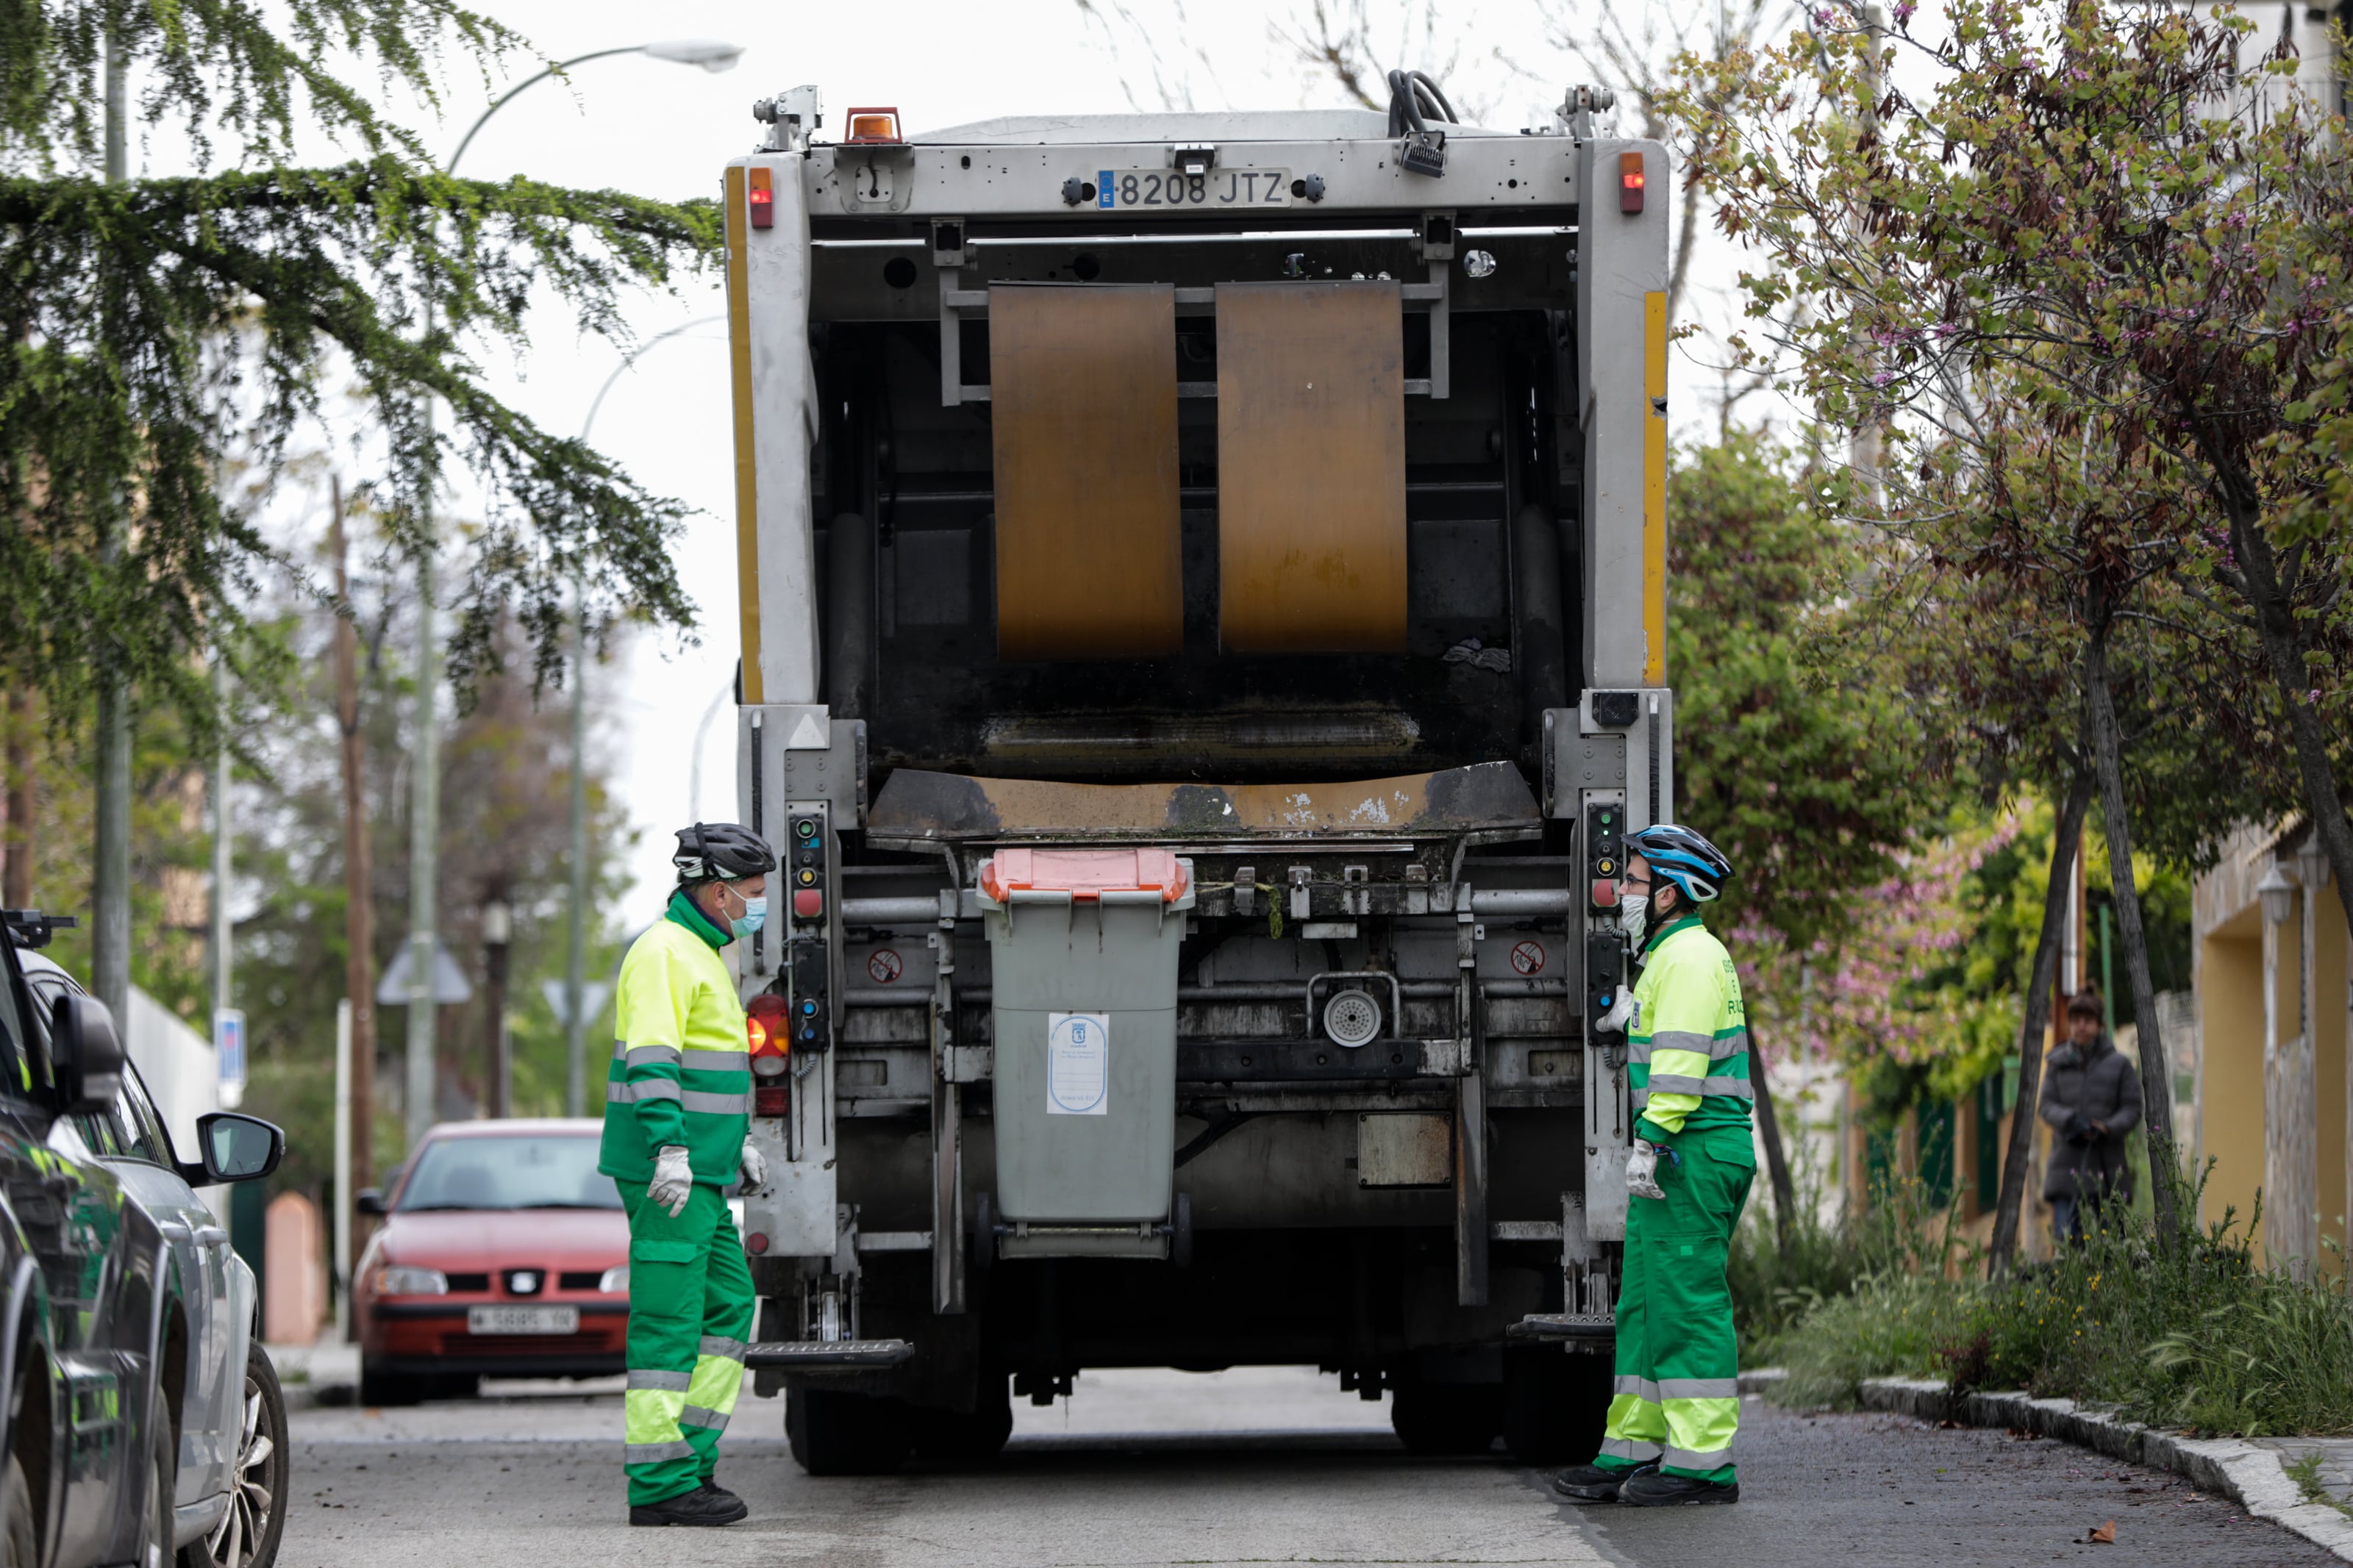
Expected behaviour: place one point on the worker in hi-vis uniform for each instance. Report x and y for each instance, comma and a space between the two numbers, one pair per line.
678, 1112
1677, 1397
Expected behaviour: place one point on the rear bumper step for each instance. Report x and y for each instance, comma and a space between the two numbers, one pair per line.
820, 1356
1562, 1326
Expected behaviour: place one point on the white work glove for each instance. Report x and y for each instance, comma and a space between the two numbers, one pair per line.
673, 1181
1622, 1011
1642, 1171
756, 1167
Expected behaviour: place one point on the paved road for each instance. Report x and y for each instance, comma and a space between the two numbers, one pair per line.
1247, 1466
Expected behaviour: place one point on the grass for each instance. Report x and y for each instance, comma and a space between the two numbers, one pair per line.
1774, 1289
2305, 1474
2190, 1333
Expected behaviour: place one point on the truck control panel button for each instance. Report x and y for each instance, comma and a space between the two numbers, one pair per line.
808, 903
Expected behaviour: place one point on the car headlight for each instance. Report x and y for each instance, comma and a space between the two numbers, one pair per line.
399, 1280
615, 1281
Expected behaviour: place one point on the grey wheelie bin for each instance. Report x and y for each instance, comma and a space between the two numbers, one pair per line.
1083, 946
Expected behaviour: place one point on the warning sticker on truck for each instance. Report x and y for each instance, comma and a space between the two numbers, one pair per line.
1078, 1064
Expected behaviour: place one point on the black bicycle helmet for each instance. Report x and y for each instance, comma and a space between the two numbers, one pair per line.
1683, 857
720, 852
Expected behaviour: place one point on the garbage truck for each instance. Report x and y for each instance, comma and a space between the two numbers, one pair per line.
1203, 611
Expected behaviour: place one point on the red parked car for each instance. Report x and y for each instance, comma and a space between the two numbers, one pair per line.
502, 1253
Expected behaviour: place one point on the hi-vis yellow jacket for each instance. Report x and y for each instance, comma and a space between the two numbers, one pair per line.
1688, 1052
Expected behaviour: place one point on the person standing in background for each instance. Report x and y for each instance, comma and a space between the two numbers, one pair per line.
2091, 1100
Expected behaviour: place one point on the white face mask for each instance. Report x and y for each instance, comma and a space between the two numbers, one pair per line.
1634, 913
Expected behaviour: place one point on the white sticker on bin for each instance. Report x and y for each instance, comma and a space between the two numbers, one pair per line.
1078, 1064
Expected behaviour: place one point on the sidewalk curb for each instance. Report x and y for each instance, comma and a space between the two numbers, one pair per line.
2247, 1473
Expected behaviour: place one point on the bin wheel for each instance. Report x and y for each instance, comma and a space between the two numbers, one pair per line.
984, 1232
1180, 1232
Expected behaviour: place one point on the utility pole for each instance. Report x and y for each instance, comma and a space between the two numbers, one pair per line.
355, 1171
110, 947
424, 831
224, 842
575, 957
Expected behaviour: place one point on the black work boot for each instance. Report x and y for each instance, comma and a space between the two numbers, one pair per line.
1594, 1483
713, 1488
1658, 1490
700, 1506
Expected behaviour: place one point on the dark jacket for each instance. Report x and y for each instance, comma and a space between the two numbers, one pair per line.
2097, 1083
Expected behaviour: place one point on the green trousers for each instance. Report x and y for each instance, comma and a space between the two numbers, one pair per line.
690, 1313
1677, 1397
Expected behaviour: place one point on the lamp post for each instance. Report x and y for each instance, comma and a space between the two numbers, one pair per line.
2277, 894
498, 932
110, 891
576, 956
424, 807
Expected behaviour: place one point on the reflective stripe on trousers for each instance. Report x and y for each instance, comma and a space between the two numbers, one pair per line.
1676, 1391
691, 1309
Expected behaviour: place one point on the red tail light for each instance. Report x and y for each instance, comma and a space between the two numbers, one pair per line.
1629, 182
765, 1033
761, 194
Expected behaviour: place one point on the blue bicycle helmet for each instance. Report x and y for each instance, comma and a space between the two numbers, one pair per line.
1683, 857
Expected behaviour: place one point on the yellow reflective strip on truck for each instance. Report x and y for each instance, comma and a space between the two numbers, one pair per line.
747, 487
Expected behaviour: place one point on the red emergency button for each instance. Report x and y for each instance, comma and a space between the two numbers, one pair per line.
1605, 893
808, 903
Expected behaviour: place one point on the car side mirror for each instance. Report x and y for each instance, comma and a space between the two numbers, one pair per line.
238, 1148
87, 1056
368, 1201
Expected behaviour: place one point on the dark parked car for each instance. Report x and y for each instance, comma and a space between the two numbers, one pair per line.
114, 1302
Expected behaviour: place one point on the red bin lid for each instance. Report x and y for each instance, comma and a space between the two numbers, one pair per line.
1084, 874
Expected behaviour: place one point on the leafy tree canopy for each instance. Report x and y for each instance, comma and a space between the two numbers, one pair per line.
153, 325
1807, 766
2086, 270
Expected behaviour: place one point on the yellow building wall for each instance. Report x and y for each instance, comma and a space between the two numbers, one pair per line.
2231, 1029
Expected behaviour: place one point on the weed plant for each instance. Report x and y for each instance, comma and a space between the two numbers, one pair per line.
2190, 1333
1772, 1288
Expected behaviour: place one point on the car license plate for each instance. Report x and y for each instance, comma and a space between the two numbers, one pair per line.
1167, 189
522, 1319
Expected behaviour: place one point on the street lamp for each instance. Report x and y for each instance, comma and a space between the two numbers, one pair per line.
2277, 893
575, 958
426, 779
498, 935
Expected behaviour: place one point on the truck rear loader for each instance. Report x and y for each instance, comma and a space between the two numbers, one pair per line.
1203, 611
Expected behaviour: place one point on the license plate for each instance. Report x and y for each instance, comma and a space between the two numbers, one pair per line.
522, 1319
1167, 189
